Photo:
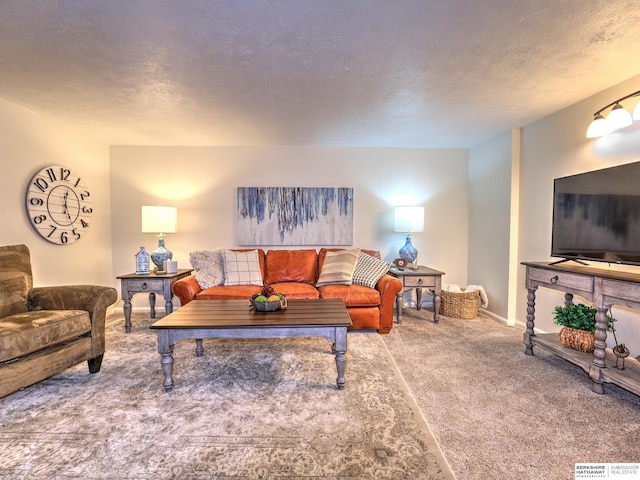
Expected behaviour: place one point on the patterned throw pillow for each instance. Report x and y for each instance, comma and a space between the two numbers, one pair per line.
338, 267
369, 270
209, 267
242, 268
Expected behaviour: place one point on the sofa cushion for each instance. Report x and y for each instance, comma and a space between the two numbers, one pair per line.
209, 267
227, 292
369, 270
352, 295
242, 268
296, 290
337, 268
291, 266
29, 332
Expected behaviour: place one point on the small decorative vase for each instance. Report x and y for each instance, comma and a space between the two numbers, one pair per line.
143, 262
580, 340
409, 252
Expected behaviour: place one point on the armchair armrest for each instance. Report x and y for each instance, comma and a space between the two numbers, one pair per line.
186, 289
94, 299
388, 286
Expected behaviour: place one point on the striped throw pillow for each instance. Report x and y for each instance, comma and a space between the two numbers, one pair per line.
338, 267
369, 270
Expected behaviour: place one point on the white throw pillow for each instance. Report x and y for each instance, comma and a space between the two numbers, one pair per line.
338, 267
209, 267
242, 268
369, 270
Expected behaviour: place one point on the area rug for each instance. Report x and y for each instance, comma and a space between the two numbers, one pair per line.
247, 409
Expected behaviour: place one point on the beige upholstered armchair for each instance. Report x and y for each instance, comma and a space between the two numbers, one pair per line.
46, 330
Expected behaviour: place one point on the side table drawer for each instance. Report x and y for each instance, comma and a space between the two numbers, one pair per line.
145, 285
419, 282
583, 283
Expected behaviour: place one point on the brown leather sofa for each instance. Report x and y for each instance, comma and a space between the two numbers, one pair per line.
295, 273
46, 330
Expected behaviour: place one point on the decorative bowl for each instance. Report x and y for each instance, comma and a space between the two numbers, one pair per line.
268, 306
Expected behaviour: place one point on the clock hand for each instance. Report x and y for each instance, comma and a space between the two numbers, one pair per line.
66, 208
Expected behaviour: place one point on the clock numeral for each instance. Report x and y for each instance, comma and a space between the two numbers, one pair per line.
42, 184
52, 174
39, 219
77, 181
84, 195
63, 237
87, 209
64, 174
36, 201
84, 224
53, 229
75, 234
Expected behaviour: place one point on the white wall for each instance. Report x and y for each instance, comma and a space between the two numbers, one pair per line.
553, 147
202, 181
490, 170
29, 142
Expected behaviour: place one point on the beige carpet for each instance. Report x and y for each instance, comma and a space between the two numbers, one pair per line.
500, 414
247, 409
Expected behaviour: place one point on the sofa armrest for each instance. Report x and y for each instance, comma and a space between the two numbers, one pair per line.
186, 289
388, 286
94, 299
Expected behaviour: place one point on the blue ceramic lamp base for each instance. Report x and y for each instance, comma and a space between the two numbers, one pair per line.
160, 254
409, 252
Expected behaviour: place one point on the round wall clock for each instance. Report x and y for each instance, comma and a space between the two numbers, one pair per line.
58, 205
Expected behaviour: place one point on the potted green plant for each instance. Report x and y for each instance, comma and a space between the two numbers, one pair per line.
579, 326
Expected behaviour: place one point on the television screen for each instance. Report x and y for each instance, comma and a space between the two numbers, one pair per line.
596, 215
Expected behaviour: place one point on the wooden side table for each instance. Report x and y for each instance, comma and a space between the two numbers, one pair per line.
150, 283
423, 277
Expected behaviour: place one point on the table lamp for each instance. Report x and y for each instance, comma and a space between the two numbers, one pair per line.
409, 219
159, 219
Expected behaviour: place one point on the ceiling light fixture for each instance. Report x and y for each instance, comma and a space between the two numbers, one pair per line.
618, 118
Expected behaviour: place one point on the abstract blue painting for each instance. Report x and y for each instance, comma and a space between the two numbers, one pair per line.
295, 216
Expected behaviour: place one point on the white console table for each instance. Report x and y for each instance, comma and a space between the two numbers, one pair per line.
603, 288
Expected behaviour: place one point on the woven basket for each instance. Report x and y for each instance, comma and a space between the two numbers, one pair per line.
459, 305
577, 339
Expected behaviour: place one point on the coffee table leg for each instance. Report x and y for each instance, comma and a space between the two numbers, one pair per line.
166, 362
199, 348
341, 354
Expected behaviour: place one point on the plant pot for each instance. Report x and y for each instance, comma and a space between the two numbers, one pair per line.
580, 340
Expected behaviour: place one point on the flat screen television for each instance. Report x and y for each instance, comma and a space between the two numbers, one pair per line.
596, 215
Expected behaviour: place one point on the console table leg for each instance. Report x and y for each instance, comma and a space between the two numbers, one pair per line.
152, 304
399, 302
599, 355
127, 314
531, 316
436, 307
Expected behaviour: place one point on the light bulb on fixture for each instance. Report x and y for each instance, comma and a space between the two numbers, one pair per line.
617, 119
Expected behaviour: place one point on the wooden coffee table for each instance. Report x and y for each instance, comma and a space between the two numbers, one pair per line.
199, 319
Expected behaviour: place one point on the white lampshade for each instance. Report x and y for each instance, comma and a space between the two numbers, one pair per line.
598, 128
618, 118
159, 219
408, 219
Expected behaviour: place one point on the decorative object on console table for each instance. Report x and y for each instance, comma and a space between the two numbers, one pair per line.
159, 219
579, 326
409, 219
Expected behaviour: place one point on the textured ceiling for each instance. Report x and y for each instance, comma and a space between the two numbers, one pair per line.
399, 73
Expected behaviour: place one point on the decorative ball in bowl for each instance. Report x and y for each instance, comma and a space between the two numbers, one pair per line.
268, 300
